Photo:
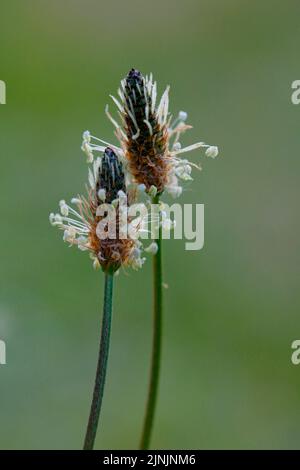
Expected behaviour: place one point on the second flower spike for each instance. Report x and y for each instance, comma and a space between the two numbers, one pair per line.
88, 224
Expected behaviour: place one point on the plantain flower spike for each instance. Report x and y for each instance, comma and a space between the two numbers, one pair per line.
85, 222
149, 138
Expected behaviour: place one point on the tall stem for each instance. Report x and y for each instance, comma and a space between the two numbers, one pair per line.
156, 341
101, 366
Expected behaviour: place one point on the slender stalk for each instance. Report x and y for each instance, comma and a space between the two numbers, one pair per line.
156, 341
101, 366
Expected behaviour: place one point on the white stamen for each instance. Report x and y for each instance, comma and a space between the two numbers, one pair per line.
152, 248
184, 172
102, 194
58, 219
108, 144
182, 116
69, 234
63, 208
177, 146
76, 200
122, 195
97, 148
86, 136
76, 223
82, 242
212, 151
52, 218
87, 149
189, 148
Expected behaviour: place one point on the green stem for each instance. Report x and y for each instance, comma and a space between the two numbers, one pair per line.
102, 364
156, 341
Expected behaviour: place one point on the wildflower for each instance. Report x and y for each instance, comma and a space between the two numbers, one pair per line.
107, 189
149, 139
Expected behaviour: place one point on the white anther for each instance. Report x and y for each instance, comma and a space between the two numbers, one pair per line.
102, 194
152, 248
58, 219
177, 146
122, 195
82, 241
63, 208
75, 200
212, 151
86, 136
182, 116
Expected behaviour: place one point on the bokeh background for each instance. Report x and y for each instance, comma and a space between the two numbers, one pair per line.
232, 309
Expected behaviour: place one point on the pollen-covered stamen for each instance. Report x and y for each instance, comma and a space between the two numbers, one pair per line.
91, 144
212, 151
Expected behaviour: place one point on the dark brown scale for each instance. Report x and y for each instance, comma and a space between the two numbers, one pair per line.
135, 96
111, 176
135, 91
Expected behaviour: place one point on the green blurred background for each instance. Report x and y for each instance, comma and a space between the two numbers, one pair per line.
232, 309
